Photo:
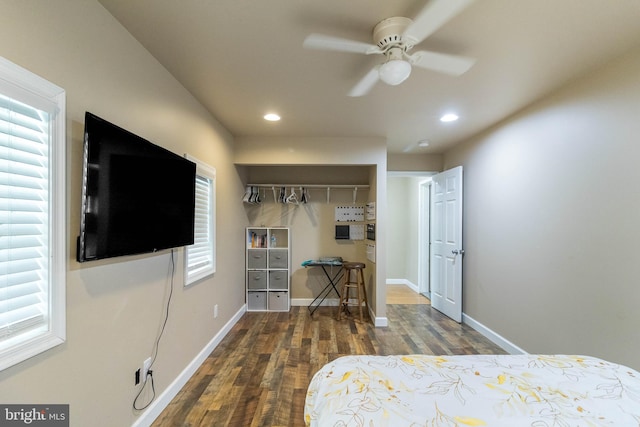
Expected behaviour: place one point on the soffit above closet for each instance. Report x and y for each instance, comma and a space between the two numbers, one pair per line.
309, 175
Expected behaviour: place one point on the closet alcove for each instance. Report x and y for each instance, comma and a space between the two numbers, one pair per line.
312, 223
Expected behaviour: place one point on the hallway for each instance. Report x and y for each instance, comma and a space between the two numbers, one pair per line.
402, 294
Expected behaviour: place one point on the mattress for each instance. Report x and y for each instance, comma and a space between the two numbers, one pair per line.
473, 390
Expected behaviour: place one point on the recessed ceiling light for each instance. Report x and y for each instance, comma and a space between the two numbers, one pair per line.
450, 117
272, 117
424, 143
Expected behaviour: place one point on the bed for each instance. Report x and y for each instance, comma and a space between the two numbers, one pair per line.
473, 390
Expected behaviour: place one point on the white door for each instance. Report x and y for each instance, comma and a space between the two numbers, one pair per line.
446, 243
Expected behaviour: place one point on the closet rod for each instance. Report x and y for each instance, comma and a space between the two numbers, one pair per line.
308, 185
328, 188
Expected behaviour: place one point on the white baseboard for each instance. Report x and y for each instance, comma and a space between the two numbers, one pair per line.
163, 400
332, 302
492, 336
405, 282
378, 322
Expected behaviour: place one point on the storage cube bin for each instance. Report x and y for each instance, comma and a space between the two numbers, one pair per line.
257, 258
279, 279
257, 280
256, 300
279, 301
278, 258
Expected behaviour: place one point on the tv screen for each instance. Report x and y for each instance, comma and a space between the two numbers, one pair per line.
137, 197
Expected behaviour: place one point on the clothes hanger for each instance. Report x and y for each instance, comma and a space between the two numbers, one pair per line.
247, 194
292, 198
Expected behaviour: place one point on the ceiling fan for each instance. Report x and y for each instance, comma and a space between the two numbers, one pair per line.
394, 38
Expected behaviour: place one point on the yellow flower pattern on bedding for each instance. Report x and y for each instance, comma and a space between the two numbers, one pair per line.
474, 390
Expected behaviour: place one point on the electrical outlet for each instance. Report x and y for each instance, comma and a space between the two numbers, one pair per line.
145, 368
215, 311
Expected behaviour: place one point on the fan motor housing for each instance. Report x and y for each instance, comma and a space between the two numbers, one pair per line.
389, 32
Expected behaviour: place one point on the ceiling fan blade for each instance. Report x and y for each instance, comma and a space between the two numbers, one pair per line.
320, 41
434, 15
366, 83
454, 65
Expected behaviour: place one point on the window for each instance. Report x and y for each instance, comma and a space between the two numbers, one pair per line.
32, 214
200, 258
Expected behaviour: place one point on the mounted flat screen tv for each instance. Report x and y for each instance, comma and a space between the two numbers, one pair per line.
137, 197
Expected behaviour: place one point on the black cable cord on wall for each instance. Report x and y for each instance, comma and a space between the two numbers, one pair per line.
149, 376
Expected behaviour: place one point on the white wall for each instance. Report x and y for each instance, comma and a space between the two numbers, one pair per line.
399, 227
403, 212
551, 211
115, 307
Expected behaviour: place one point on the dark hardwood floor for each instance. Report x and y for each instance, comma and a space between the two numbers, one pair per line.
259, 373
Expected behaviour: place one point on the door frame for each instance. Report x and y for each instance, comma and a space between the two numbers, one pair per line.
424, 233
424, 176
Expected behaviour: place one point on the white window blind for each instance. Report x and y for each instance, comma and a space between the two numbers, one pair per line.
32, 222
200, 257
24, 220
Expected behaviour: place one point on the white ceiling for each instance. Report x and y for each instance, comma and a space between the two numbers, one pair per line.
243, 58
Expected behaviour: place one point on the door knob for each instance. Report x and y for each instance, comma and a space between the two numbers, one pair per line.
458, 251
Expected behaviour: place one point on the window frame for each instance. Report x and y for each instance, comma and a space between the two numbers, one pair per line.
208, 172
28, 88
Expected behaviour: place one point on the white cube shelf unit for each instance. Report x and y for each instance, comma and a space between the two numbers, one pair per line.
268, 268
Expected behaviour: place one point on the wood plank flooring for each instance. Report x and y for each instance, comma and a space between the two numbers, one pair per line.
259, 373
402, 294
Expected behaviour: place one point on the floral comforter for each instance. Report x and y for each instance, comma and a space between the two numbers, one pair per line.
475, 390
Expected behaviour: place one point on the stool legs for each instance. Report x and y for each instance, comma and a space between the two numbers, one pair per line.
364, 293
359, 294
358, 285
344, 295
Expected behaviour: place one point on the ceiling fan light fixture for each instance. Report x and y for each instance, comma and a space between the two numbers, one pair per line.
394, 71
